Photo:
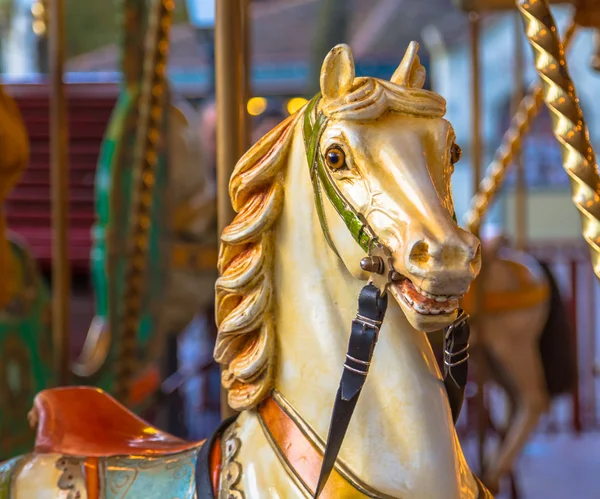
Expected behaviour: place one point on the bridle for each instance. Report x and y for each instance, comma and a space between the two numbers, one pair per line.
372, 301
321, 179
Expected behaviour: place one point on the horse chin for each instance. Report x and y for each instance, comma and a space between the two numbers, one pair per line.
425, 322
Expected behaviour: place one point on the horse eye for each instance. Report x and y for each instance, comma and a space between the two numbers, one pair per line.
335, 158
455, 153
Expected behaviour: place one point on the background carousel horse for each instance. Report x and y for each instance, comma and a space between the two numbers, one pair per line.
25, 336
116, 187
181, 211
526, 342
285, 300
177, 290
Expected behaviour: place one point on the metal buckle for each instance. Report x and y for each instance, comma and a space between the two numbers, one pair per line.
380, 264
365, 321
449, 355
460, 320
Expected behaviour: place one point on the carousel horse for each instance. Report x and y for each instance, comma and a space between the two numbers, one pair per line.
25, 337
349, 197
173, 230
525, 339
177, 289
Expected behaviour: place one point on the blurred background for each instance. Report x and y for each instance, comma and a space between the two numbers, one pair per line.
287, 43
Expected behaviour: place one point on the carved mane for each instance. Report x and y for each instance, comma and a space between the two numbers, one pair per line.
244, 292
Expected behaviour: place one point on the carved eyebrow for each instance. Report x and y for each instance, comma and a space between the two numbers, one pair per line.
334, 133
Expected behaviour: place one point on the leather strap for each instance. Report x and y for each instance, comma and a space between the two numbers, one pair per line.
456, 367
365, 328
314, 125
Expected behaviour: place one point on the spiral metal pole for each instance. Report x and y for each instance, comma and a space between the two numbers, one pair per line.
568, 125
496, 172
148, 140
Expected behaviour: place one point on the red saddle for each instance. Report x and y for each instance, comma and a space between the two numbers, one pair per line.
85, 421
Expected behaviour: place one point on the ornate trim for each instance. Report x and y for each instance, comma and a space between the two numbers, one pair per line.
284, 462
8, 473
72, 478
231, 474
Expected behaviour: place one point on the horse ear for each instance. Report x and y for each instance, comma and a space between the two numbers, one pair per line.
337, 72
411, 72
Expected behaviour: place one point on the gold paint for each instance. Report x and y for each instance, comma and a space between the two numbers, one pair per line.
275, 266
244, 291
568, 125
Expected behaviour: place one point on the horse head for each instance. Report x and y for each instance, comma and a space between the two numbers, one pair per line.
391, 154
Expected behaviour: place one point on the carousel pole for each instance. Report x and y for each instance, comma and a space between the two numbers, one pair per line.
231, 108
476, 150
246, 72
521, 184
568, 125
59, 176
511, 144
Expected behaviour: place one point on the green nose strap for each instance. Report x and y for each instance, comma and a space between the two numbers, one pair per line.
314, 125
363, 234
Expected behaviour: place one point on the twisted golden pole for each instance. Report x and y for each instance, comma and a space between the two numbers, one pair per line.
568, 126
510, 147
152, 105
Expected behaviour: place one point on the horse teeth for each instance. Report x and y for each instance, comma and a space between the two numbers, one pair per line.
431, 296
420, 309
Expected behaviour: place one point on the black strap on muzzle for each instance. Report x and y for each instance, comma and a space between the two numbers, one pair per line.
363, 337
372, 305
456, 367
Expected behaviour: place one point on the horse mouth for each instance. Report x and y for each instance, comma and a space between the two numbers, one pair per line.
422, 302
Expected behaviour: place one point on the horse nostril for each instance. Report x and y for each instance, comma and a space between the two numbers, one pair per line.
419, 253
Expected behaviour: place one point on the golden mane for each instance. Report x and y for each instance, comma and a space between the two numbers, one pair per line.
244, 291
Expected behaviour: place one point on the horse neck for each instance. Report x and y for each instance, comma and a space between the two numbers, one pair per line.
401, 430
